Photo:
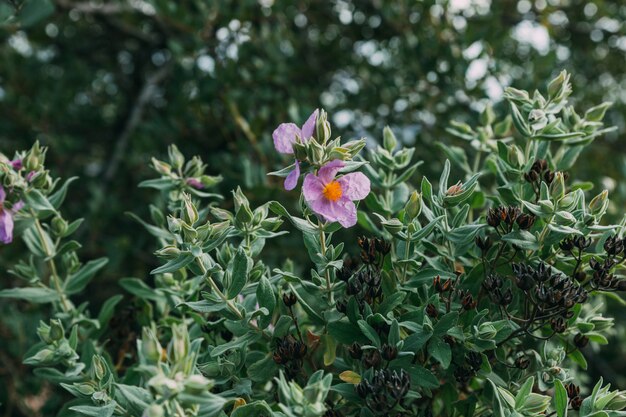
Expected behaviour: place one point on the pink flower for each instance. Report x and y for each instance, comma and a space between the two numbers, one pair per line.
195, 183
285, 136
16, 164
333, 198
6, 218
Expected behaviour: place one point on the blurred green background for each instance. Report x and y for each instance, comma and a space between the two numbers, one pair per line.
108, 84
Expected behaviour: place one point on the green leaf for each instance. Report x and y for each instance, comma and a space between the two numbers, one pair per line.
422, 377
94, 411
299, 223
560, 399
106, 312
523, 393
153, 230
77, 282
33, 11
265, 297
441, 351
369, 332
239, 276
139, 288
38, 202
34, 295
184, 259
57, 198
236, 343
523, 239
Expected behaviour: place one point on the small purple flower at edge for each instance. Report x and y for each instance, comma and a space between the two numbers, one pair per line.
6, 218
17, 164
285, 136
195, 183
333, 198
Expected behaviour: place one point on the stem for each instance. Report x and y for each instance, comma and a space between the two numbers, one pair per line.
329, 287
407, 246
53, 269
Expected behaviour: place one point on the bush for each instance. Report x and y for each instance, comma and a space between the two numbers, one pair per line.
479, 296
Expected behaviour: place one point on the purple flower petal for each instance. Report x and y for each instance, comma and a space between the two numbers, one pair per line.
17, 206
6, 226
285, 136
292, 179
3, 194
195, 183
308, 128
342, 211
313, 188
327, 172
355, 186
17, 164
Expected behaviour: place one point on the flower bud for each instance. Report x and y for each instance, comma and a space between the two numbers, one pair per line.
596, 114
150, 346
556, 86
161, 167
599, 203
176, 157
173, 224
35, 157
413, 206
168, 252
56, 330
154, 410
557, 188
59, 226
487, 116
179, 346
515, 156
389, 139
99, 366
190, 213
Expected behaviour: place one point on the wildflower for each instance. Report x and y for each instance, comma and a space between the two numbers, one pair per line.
333, 199
195, 183
6, 218
17, 164
285, 136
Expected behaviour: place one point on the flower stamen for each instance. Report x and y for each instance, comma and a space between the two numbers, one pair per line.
332, 191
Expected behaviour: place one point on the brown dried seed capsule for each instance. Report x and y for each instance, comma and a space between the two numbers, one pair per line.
389, 352
289, 299
522, 362
355, 351
576, 402
580, 340
432, 311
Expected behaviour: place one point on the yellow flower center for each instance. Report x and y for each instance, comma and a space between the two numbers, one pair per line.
332, 191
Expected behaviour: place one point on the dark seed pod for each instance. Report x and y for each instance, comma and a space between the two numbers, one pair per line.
576, 402
580, 340
355, 351
389, 352
573, 390
432, 311
289, 299
526, 221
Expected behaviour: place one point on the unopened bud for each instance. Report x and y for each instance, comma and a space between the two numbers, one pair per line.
599, 203
190, 213
176, 157
413, 207
389, 139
